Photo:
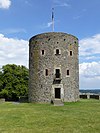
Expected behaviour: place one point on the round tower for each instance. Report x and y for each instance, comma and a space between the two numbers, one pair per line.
53, 67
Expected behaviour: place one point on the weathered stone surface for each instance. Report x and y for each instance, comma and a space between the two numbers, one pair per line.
58, 102
42, 56
2, 100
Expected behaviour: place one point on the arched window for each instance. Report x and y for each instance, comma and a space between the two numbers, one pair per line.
42, 52
71, 53
57, 51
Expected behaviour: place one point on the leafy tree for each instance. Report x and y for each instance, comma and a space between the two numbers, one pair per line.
1, 82
13, 81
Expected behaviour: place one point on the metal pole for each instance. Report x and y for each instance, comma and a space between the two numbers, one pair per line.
53, 19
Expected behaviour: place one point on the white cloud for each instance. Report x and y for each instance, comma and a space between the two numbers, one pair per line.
5, 4
90, 70
46, 25
90, 45
90, 75
13, 51
13, 30
49, 24
77, 17
28, 2
60, 3
80, 14
89, 51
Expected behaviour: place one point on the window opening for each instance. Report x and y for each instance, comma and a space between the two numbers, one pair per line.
49, 39
57, 73
42, 52
67, 72
46, 72
75, 42
71, 53
57, 51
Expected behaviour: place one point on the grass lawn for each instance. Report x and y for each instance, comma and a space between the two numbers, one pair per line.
79, 117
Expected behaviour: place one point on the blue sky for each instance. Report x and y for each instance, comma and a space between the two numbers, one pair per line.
22, 19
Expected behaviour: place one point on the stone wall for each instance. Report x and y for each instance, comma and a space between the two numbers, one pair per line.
42, 56
2, 100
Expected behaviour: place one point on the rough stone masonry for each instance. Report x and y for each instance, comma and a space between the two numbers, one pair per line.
53, 67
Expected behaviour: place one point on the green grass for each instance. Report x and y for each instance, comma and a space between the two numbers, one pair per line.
79, 117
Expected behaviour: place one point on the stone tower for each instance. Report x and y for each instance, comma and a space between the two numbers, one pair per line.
53, 67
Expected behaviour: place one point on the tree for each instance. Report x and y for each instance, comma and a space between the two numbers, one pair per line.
1, 81
13, 81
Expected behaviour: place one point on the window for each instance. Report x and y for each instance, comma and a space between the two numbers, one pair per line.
67, 72
57, 74
49, 39
46, 72
42, 52
71, 53
75, 42
57, 51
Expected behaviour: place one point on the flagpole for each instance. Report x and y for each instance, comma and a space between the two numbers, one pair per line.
53, 19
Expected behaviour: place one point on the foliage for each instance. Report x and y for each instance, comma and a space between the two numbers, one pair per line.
1, 81
79, 117
13, 81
